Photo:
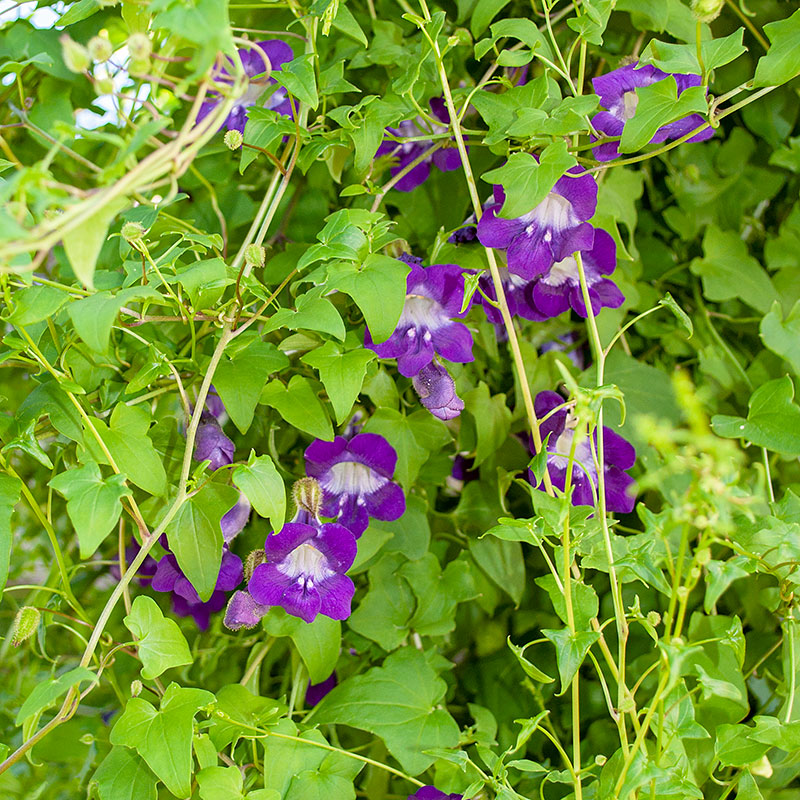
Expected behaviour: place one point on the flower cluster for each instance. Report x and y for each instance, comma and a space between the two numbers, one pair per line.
429, 327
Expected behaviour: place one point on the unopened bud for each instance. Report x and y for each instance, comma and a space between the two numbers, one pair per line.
25, 624
253, 559
702, 556
233, 139
76, 56
654, 618
133, 231
255, 255
707, 10
100, 48
600, 760
136, 688
139, 46
307, 495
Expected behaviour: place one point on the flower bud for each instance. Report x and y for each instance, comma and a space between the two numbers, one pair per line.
600, 760
76, 56
654, 618
703, 556
100, 48
254, 558
136, 688
25, 624
707, 10
140, 47
233, 139
255, 255
307, 495
133, 232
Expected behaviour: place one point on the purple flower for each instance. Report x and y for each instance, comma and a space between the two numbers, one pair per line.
233, 521
278, 53
146, 570
214, 404
316, 691
560, 287
446, 158
619, 455
565, 344
432, 793
185, 601
617, 93
356, 479
304, 571
557, 225
426, 327
437, 391
243, 611
519, 297
213, 445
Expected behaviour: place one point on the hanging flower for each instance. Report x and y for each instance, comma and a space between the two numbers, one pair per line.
437, 391
432, 793
446, 158
356, 479
233, 521
617, 93
185, 601
278, 53
557, 225
305, 571
211, 444
619, 456
519, 297
426, 327
560, 287
243, 611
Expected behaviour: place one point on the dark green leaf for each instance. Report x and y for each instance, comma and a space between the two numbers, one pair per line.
299, 405
10, 489
124, 776
263, 487
782, 61
571, 650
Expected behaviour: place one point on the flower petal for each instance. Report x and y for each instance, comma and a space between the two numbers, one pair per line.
335, 596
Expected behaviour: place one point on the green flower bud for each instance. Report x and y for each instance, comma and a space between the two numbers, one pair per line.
233, 139
600, 760
654, 618
140, 47
136, 688
100, 48
25, 624
255, 255
703, 556
76, 56
133, 232
307, 495
707, 10
253, 559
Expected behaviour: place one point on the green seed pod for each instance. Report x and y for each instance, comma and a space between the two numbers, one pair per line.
233, 139
702, 556
140, 47
254, 558
25, 624
76, 56
136, 688
307, 495
654, 618
100, 48
133, 232
255, 255
707, 10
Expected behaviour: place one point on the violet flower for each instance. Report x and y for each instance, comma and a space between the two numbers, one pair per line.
185, 601
316, 691
212, 444
437, 391
356, 479
519, 297
426, 327
618, 454
278, 53
146, 570
566, 344
558, 224
617, 93
560, 287
446, 158
243, 611
234, 520
432, 793
214, 404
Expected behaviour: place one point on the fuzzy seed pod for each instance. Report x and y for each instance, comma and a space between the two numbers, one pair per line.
76, 57
25, 624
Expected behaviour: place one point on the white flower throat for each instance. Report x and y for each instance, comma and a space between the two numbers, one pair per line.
307, 564
350, 477
420, 311
554, 211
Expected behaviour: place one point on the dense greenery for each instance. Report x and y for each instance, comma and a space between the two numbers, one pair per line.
329, 331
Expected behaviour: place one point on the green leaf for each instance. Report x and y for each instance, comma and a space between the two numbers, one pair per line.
400, 703
485, 11
298, 78
395, 428
93, 503
83, 243
782, 61
10, 489
492, 419
571, 650
163, 737
314, 313
525, 182
317, 642
518, 530
299, 405
204, 282
773, 420
36, 303
530, 669
240, 379
195, 536
46, 693
782, 336
592, 22
26, 441
124, 776
734, 747
728, 271
220, 783
668, 301
78, 12
503, 562
670, 57
657, 105
161, 644
130, 447
246, 710
263, 487
721, 574
342, 374
378, 288
584, 601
